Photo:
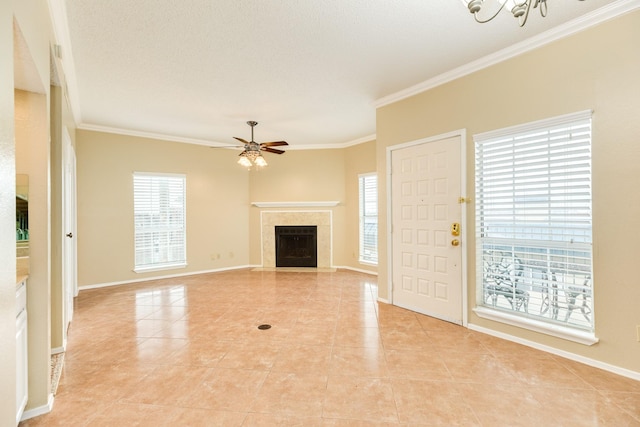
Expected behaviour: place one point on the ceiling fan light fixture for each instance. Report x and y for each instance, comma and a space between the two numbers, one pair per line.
519, 8
260, 161
251, 155
244, 161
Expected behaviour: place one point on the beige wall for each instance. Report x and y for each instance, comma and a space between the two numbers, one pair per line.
217, 204
32, 159
223, 227
24, 149
596, 69
315, 176
219, 193
7, 221
297, 176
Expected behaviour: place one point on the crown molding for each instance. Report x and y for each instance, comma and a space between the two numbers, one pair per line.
347, 144
174, 138
359, 141
150, 135
605, 13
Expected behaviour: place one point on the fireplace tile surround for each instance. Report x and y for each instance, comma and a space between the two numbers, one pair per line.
321, 219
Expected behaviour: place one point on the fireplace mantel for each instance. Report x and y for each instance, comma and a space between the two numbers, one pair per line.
295, 204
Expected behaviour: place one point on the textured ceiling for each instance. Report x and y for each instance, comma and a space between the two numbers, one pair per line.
309, 72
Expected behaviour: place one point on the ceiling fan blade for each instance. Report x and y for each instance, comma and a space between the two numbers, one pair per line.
241, 140
271, 150
274, 143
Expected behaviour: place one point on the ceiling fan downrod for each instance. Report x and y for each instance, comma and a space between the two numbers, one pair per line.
252, 124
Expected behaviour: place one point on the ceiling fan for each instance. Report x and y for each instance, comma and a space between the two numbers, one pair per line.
251, 153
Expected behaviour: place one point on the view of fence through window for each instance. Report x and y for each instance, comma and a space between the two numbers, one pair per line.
533, 212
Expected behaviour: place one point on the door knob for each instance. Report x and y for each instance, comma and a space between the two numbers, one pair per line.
455, 242
69, 235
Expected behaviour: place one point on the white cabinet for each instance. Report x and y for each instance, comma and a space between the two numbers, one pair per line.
22, 366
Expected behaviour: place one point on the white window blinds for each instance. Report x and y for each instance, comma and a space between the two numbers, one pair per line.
533, 212
368, 194
159, 216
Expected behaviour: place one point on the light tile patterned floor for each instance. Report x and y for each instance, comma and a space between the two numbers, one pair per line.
187, 352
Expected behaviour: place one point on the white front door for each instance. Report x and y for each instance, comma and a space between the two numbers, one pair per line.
427, 271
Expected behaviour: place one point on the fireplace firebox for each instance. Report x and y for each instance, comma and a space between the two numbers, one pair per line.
296, 246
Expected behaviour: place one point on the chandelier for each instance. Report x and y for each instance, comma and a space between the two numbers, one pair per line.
519, 8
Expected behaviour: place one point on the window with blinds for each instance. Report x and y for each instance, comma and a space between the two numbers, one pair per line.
368, 196
159, 215
533, 213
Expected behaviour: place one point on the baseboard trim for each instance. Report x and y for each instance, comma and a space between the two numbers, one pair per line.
568, 355
358, 270
193, 273
58, 350
40, 410
170, 276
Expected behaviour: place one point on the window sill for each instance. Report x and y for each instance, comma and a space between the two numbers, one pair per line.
566, 333
159, 268
363, 262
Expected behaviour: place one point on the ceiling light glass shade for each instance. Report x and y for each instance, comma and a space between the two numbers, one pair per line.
249, 158
473, 5
518, 8
244, 161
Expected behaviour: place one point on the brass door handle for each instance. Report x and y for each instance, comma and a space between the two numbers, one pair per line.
455, 242
69, 235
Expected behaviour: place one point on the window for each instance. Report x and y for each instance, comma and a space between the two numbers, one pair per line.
159, 215
533, 213
368, 196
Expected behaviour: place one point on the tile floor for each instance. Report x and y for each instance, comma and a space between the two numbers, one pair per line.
188, 352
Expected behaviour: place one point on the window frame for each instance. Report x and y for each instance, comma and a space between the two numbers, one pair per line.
364, 218
166, 229
515, 238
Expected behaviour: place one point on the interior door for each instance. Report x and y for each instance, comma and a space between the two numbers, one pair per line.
69, 248
426, 226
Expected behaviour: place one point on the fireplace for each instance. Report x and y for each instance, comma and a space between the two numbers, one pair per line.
296, 246
322, 220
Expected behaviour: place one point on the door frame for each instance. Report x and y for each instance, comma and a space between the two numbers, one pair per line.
462, 134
